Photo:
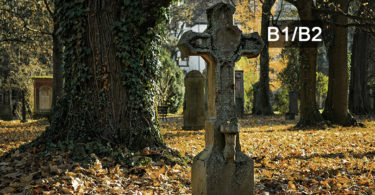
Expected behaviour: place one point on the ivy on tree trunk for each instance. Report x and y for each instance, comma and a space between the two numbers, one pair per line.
110, 65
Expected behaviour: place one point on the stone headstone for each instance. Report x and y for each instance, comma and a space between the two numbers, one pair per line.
221, 168
194, 109
42, 94
240, 98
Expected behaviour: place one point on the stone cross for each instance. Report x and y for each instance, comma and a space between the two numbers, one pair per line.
221, 168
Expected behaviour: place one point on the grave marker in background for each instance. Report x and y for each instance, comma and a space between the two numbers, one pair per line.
42, 94
194, 111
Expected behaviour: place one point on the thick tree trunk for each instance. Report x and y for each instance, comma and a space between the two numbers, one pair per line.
58, 70
57, 56
310, 115
359, 101
336, 105
109, 73
263, 105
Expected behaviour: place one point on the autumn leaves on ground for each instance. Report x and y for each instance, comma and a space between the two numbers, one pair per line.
336, 160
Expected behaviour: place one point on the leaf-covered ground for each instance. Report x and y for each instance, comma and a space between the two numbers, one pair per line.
336, 160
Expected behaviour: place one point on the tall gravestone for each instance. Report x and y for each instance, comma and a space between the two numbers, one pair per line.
221, 168
240, 98
194, 117
42, 94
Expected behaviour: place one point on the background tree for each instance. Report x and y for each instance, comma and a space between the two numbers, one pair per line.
36, 21
170, 83
249, 17
57, 55
25, 45
249, 14
336, 105
310, 115
290, 77
180, 15
263, 105
336, 15
362, 58
359, 101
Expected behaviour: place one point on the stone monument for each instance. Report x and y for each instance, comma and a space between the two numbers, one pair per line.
194, 112
42, 94
221, 168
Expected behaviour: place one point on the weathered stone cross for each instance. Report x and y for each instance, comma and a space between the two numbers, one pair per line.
221, 168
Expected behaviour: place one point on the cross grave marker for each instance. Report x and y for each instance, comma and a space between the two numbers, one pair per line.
221, 168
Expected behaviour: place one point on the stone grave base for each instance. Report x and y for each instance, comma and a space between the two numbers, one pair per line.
211, 174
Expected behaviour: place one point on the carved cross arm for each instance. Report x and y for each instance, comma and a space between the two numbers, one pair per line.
195, 44
251, 45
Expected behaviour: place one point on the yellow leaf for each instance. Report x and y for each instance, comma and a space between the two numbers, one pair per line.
291, 185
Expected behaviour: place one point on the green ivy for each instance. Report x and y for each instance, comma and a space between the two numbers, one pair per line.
137, 49
139, 57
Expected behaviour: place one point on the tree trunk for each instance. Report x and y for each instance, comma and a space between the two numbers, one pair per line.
293, 102
310, 115
23, 120
359, 101
336, 105
263, 105
11, 103
57, 67
110, 70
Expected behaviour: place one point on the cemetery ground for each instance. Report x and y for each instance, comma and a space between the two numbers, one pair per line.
336, 160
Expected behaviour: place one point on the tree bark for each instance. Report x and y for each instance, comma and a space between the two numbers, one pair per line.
293, 102
98, 103
310, 115
336, 105
24, 119
263, 104
359, 101
11, 103
58, 70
